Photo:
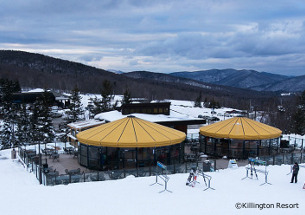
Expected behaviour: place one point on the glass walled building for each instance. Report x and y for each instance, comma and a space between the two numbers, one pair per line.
239, 137
129, 143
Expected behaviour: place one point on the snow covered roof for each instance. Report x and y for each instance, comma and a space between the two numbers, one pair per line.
174, 116
61, 98
37, 90
80, 125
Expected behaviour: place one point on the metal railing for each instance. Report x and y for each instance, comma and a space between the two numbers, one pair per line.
284, 158
51, 180
31, 161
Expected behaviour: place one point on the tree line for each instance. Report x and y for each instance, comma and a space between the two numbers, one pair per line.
32, 123
29, 123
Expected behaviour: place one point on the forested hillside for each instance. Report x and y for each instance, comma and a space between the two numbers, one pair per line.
36, 70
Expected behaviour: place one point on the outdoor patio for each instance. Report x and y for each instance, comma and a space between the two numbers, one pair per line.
65, 161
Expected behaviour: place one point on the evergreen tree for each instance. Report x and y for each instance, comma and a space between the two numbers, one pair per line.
74, 114
36, 131
7, 132
299, 116
107, 96
76, 111
126, 97
302, 101
214, 104
9, 112
6, 135
205, 103
48, 128
299, 122
41, 129
103, 105
198, 101
15, 87
96, 106
23, 126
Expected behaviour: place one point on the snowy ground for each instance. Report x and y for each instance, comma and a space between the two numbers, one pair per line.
180, 106
20, 193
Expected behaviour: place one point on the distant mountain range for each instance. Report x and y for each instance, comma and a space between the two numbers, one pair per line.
36, 70
247, 79
244, 79
167, 78
115, 71
294, 84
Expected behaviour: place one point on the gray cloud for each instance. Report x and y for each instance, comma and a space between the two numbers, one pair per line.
159, 35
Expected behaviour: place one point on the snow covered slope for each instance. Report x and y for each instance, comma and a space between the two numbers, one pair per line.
20, 193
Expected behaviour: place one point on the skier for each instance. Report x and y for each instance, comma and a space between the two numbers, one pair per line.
190, 178
195, 178
295, 171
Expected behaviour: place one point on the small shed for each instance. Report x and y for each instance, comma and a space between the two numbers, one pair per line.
76, 127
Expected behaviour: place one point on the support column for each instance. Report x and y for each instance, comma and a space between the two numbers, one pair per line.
169, 155
257, 147
229, 148
155, 156
118, 158
200, 142
301, 159
244, 150
205, 144
137, 162
40, 163
278, 144
180, 151
123, 157
302, 151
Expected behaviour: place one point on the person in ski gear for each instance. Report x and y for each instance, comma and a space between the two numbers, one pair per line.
295, 171
195, 178
190, 178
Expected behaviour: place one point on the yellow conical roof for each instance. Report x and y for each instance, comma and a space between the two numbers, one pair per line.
131, 132
240, 128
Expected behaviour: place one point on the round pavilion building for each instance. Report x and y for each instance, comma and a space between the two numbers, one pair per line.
239, 137
130, 143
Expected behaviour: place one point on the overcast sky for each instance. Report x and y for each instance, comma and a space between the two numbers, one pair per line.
161, 36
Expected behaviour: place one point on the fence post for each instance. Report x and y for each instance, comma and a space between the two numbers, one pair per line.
301, 152
174, 167
150, 170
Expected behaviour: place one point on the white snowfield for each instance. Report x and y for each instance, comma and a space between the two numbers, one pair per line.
20, 193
